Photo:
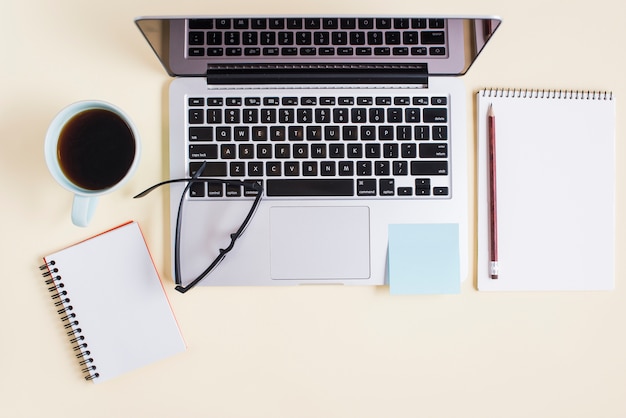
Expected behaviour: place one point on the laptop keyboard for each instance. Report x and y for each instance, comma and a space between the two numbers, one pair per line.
353, 143
315, 39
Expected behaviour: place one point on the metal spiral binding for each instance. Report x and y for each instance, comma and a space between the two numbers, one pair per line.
548, 94
62, 301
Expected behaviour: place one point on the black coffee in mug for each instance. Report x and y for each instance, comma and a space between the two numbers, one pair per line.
96, 149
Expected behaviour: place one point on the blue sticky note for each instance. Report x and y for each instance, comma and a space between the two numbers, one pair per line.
424, 259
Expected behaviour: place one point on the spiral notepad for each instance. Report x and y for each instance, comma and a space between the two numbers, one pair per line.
555, 171
110, 299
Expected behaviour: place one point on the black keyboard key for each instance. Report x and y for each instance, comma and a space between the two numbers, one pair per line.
436, 115
253, 101
277, 23
310, 187
215, 52
259, 23
419, 23
387, 187
393, 38
366, 23
434, 150
422, 133
196, 38
271, 51
346, 168
410, 38
214, 101
200, 23
401, 51
308, 51
196, 52
240, 23
330, 23
408, 150
289, 51
390, 151
271, 101
255, 169
401, 23
340, 38
203, 152
292, 169
268, 38
304, 38
383, 23
440, 191
358, 38
198, 133
403, 133
433, 37
233, 190
274, 168
382, 51
375, 38
348, 23
429, 168
232, 38
216, 190
222, 23
212, 169
366, 187
312, 23
294, 23
196, 116
382, 168
440, 133
400, 168
436, 23
321, 38
197, 189
249, 38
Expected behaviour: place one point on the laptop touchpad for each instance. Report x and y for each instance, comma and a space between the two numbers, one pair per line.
319, 243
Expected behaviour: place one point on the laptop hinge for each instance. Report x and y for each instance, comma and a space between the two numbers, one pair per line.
318, 74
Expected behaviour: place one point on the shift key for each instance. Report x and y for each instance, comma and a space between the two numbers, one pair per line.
212, 169
429, 168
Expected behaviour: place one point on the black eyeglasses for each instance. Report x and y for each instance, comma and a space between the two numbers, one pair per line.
251, 186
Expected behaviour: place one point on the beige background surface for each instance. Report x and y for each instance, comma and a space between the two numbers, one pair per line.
295, 351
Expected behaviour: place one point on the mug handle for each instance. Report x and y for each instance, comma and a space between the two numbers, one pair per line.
83, 209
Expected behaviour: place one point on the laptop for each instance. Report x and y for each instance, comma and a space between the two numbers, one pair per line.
350, 124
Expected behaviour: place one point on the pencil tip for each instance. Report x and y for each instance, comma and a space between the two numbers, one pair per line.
490, 111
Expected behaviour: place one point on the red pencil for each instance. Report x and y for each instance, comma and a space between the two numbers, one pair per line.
493, 206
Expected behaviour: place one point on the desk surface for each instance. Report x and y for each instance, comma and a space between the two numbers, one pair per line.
295, 351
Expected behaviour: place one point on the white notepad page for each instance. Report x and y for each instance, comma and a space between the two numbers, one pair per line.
555, 154
118, 299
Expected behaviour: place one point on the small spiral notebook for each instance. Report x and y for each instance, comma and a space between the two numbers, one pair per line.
555, 182
111, 301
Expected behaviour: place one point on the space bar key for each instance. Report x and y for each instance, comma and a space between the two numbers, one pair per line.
310, 187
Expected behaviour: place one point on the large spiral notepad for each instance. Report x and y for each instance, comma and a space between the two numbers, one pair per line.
111, 302
555, 188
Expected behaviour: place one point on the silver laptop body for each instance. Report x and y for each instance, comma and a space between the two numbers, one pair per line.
293, 108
